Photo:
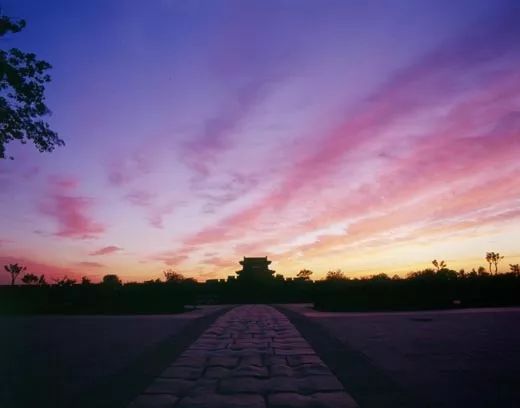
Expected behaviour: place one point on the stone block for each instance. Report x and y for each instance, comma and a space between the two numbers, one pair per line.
238, 385
251, 360
250, 371
217, 372
223, 361
281, 370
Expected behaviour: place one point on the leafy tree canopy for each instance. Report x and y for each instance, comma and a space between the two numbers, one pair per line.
14, 270
65, 282
111, 280
304, 274
336, 275
172, 276
30, 279
22, 99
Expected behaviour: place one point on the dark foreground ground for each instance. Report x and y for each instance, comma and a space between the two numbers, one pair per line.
457, 358
63, 361
463, 358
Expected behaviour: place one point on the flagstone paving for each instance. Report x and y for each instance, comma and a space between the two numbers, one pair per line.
252, 357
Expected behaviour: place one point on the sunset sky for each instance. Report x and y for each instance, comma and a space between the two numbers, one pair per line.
371, 136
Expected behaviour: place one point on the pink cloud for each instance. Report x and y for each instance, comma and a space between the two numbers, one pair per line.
220, 262
155, 210
381, 236
70, 211
216, 195
156, 214
201, 277
106, 250
140, 198
64, 183
171, 258
88, 264
468, 81
5, 241
123, 169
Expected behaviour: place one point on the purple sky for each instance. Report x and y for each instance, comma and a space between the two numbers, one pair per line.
367, 136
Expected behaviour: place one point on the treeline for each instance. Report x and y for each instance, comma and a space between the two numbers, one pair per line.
174, 294
427, 289
433, 288
111, 296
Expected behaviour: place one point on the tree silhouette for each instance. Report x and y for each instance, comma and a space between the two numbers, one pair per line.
381, 277
515, 268
439, 265
427, 273
493, 258
111, 281
29, 279
14, 270
64, 282
489, 259
335, 275
42, 281
85, 280
22, 99
171, 276
304, 274
496, 261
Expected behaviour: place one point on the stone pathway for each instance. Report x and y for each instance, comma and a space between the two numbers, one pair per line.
251, 357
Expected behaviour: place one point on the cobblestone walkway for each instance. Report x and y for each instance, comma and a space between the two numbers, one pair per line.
252, 357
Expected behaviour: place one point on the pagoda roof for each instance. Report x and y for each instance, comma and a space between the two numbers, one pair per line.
261, 259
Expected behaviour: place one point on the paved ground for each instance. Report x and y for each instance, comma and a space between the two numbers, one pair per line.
445, 358
252, 357
47, 361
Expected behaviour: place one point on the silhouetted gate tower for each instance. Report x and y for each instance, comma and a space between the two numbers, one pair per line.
255, 269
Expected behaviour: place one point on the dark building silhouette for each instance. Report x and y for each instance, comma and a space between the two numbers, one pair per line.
255, 269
